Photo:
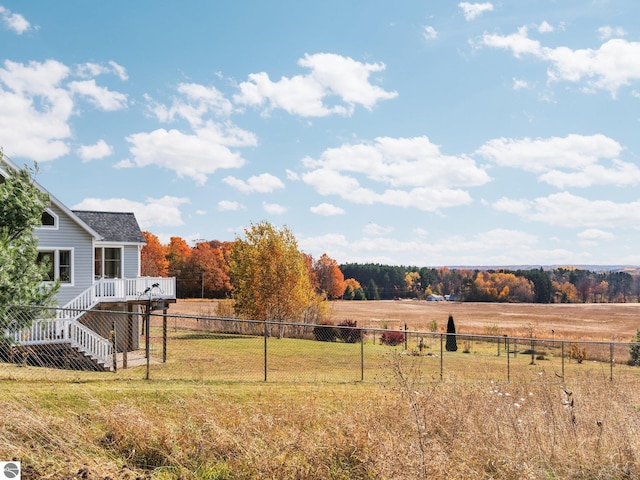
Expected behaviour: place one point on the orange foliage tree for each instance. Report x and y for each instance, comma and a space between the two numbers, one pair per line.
502, 287
153, 257
328, 276
207, 272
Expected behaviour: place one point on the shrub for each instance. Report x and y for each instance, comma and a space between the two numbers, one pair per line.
634, 351
577, 353
452, 344
325, 333
392, 338
349, 333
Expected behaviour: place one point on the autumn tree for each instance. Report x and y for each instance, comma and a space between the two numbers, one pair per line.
22, 204
269, 276
153, 257
353, 290
329, 277
178, 252
206, 272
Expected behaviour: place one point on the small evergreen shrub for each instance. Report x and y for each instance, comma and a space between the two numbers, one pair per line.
392, 338
634, 351
325, 333
349, 333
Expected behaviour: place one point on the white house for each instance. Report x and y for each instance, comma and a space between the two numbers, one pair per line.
96, 258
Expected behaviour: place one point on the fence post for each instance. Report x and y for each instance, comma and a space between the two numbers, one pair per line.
405, 338
506, 340
164, 335
562, 355
147, 341
362, 355
114, 346
611, 361
441, 355
265, 350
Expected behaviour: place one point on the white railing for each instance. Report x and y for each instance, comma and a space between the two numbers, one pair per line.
118, 289
87, 341
114, 289
65, 328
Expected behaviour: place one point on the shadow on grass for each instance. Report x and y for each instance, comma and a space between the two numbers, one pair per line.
213, 336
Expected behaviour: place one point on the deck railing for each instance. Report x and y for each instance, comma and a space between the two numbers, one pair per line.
48, 331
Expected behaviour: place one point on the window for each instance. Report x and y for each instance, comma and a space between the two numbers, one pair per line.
108, 263
59, 264
47, 258
48, 219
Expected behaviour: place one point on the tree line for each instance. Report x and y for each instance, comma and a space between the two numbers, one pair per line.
203, 271
537, 285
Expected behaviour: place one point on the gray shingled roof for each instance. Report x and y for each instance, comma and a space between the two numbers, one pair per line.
113, 226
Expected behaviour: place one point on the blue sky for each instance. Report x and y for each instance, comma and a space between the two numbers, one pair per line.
404, 133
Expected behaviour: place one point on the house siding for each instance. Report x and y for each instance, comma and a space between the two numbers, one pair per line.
69, 235
131, 267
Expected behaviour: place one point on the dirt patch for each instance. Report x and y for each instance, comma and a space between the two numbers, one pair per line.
607, 322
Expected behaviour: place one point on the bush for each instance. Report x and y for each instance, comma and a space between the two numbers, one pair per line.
392, 338
577, 353
325, 333
348, 333
634, 351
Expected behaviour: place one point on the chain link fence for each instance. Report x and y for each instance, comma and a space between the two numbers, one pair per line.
146, 342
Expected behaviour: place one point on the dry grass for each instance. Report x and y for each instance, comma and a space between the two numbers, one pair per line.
407, 424
411, 429
601, 322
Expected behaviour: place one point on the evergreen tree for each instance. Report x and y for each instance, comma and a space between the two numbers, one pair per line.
452, 344
22, 204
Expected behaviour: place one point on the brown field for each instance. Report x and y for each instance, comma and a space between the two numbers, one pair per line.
602, 321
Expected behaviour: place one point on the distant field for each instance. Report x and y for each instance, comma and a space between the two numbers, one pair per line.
603, 321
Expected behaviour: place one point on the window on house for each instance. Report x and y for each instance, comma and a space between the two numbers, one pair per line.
59, 264
48, 220
47, 258
108, 262
64, 266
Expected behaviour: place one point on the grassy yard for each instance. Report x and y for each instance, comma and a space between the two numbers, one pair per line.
208, 414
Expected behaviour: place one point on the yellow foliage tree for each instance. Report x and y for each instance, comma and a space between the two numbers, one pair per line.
269, 275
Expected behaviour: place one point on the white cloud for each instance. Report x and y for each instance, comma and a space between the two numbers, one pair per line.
595, 235
193, 155
614, 65
35, 110
157, 212
91, 69
92, 152
571, 161
570, 211
334, 76
273, 208
327, 210
376, 230
124, 163
263, 183
14, 21
429, 33
545, 27
519, 84
229, 206
101, 97
194, 104
607, 32
408, 172
471, 11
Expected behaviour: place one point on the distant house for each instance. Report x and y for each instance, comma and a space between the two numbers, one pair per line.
96, 258
435, 298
